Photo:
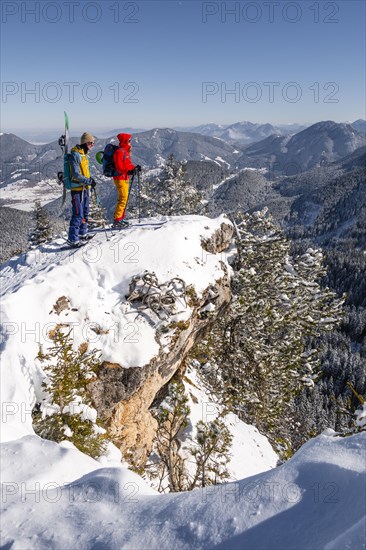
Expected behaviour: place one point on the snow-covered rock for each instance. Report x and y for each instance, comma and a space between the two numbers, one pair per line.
140, 350
54, 496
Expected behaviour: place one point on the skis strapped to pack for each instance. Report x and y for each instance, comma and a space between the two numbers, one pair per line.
64, 177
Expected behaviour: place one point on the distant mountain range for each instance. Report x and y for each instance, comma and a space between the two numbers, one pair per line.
326, 202
29, 171
243, 133
154, 146
117, 131
320, 144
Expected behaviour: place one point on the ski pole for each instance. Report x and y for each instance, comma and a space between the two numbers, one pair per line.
129, 190
139, 197
98, 203
97, 200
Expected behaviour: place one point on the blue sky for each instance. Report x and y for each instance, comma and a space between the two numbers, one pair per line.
114, 64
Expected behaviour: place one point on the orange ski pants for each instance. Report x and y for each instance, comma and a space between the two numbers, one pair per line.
122, 189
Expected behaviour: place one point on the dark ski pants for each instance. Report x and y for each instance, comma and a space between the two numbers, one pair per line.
80, 213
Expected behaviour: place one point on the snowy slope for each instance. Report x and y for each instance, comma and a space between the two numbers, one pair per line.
22, 195
55, 497
95, 280
314, 501
251, 452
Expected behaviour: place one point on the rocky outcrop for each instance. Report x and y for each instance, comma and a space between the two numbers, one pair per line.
123, 396
220, 240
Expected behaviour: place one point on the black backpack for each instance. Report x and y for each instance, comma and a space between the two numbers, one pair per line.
109, 169
106, 159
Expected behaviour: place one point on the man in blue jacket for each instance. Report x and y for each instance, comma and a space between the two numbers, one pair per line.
81, 182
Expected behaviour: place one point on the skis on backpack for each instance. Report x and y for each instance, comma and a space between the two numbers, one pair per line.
64, 144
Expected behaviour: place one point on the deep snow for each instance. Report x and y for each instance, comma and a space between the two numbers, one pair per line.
55, 497
314, 501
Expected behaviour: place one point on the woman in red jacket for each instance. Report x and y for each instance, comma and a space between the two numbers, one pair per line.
124, 168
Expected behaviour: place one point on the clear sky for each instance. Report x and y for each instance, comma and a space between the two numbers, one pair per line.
114, 64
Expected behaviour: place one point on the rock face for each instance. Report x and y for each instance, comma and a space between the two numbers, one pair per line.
220, 240
123, 396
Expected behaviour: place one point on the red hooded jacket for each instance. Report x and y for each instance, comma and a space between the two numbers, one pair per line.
121, 157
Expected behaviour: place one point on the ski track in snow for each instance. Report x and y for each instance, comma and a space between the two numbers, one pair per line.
16, 271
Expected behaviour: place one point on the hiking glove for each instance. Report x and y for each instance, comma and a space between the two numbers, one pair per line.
93, 183
138, 168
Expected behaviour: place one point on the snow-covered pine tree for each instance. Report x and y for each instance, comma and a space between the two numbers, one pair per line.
359, 415
277, 305
170, 193
66, 413
172, 418
209, 449
258, 357
43, 231
97, 213
211, 453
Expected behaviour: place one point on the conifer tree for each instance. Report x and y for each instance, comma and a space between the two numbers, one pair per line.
278, 303
259, 358
66, 414
97, 214
211, 453
171, 194
358, 415
43, 231
172, 418
207, 452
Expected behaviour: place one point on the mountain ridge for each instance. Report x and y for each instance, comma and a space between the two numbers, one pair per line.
211, 128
